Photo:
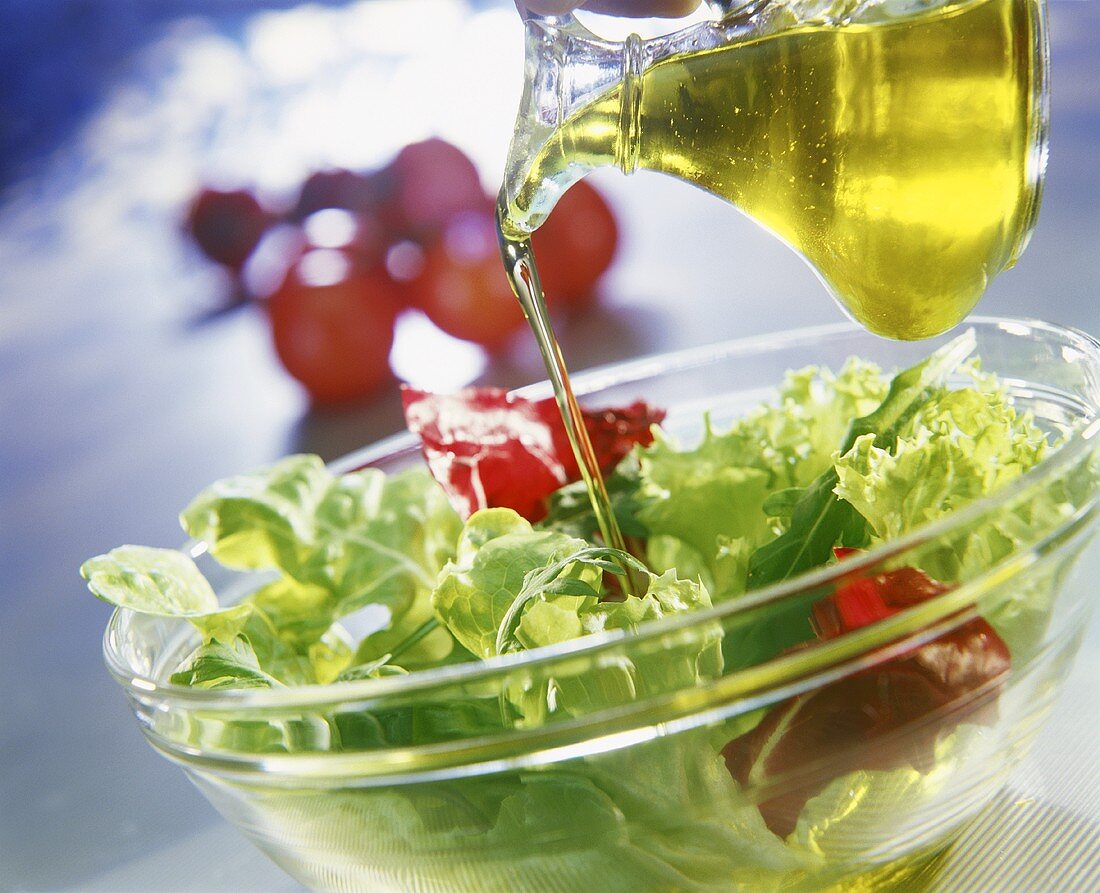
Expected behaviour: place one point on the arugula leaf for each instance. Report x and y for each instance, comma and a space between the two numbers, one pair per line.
820, 518
571, 509
550, 581
165, 583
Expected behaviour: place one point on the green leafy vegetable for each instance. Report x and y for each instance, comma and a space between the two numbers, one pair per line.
867, 810
218, 665
165, 583
708, 508
552, 581
703, 509
360, 538
960, 446
819, 519
571, 509
262, 520
549, 620
496, 551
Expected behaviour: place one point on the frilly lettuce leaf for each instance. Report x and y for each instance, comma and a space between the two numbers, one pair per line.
958, 447
359, 538
819, 519
793, 440
709, 507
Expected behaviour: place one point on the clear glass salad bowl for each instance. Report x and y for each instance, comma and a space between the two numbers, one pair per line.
763, 778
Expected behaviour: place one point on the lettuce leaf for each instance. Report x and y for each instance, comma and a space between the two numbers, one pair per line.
708, 508
793, 439
549, 619
960, 446
868, 810
164, 583
496, 551
704, 509
346, 541
820, 519
218, 665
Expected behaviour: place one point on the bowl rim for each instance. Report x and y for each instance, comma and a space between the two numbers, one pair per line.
597, 379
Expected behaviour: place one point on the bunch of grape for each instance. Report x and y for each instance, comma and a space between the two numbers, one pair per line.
416, 234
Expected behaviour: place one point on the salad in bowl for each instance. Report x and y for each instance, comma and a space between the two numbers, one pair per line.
848, 600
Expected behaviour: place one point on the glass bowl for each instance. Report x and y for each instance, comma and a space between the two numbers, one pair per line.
766, 777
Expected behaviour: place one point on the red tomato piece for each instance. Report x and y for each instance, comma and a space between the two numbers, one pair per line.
576, 245
337, 188
883, 717
462, 287
426, 184
227, 226
489, 448
332, 325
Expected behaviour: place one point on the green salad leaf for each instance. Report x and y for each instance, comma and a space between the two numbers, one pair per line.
346, 541
708, 509
819, 519
709, 503
262, 520
571, 509
219, 665
960, 446
165, 583
794, 438
496, 551
868, 809
586, 687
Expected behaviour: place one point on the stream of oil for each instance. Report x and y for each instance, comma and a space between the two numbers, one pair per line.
523, 274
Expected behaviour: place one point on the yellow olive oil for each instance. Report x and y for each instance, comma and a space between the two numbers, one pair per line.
898, 157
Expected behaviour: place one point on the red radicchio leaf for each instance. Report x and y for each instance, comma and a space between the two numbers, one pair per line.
879, 718
488, 448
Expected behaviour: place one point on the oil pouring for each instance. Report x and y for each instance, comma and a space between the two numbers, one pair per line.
898, 147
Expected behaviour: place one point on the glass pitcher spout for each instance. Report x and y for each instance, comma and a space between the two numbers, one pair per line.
897, 145
569, 68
